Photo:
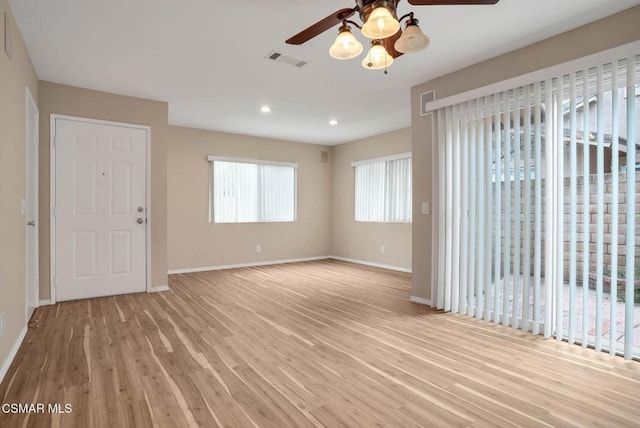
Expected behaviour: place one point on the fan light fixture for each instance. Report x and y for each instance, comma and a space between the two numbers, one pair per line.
380, 24
346, 45
378, 57
413, 39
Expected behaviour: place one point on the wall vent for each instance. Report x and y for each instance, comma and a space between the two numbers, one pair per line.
279, 57
324, 157
425, 99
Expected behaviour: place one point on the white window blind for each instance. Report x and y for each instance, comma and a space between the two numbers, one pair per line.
537, 207
244, 191
383, 189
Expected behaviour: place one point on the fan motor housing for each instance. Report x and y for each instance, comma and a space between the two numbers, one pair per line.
365, 7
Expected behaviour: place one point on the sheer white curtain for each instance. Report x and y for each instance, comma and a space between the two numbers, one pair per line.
235, 190
537, 196
244, 191
277, 193
369, 199
398, 184
383, 189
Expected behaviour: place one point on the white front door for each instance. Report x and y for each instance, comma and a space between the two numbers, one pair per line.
100, 209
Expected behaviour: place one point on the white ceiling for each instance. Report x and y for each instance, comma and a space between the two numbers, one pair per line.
206, 57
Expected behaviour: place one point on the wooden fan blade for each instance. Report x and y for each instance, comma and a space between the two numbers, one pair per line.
321, 26
450, 2
389, 44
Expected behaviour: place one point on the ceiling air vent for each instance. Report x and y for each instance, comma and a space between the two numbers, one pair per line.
278, 57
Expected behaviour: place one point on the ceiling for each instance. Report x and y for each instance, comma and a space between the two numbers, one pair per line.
206, 58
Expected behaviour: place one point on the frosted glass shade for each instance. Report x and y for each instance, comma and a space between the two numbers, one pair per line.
412, 40
346, 46
380, 24
377, 58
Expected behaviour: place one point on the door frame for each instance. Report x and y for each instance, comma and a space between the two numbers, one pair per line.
52, 193
32, 174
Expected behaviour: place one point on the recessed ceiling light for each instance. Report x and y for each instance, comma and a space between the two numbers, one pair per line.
265, 109
333, 122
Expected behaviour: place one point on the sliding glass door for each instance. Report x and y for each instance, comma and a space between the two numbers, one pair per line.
538, 200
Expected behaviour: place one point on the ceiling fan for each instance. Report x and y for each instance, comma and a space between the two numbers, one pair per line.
381, 26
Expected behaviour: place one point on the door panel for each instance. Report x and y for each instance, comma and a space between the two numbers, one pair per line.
84, 254
120, 244
84, 183
100, 194
120, 202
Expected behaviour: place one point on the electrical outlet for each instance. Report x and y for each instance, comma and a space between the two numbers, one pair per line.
258, 249
425, 208
383, 249
2, 319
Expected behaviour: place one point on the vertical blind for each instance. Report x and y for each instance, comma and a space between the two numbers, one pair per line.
252, 191
383, 189
537, 224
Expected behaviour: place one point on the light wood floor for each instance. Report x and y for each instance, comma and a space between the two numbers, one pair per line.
312, 344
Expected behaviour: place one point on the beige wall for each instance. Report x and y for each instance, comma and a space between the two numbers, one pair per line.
359, 240
15, 74
607, 33
72, 101
196, 243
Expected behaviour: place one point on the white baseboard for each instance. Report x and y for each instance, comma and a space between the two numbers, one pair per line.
158, 289
421, 300
45, 303
374, 264
243, 265
12, 354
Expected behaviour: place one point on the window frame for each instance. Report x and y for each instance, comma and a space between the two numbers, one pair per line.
385, 160
211, 159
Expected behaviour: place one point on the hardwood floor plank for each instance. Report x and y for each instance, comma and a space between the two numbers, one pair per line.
312, 344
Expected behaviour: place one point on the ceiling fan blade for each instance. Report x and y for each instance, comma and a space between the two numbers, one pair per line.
389, 43
321, 26
450, 2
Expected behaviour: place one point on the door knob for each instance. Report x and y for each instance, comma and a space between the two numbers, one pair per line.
140, 220
31, 223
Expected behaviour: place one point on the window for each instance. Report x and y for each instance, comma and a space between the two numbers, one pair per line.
250, 191
383, 189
